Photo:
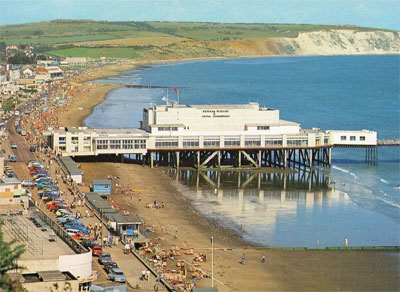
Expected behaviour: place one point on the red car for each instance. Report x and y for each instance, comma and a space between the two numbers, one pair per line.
97, 250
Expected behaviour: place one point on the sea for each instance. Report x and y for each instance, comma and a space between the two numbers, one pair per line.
351, 199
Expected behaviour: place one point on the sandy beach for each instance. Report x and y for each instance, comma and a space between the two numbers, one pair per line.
179, 224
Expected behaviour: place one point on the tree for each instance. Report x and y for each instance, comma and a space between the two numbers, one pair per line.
20, 58
9, 254
3, 46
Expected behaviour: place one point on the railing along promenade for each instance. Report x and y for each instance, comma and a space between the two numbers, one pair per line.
388, 142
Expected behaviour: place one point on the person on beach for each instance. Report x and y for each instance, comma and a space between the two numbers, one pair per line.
263, 259
243, 258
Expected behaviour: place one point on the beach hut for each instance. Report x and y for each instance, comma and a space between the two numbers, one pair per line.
102, 186
125, 225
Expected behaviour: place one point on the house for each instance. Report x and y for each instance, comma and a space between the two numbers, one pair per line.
102, 186
27, 72
49, 73
74, 61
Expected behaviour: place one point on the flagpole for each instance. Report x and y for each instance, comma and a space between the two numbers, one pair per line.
212, 261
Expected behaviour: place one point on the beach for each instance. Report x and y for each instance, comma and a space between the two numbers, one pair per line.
179, 224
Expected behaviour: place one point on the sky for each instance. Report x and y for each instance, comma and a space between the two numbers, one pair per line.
367, 13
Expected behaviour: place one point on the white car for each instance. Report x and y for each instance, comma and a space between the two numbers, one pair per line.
27, 184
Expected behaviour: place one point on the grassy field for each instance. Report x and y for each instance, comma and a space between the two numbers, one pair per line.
128, 39
72, 31
128, 53
138, 41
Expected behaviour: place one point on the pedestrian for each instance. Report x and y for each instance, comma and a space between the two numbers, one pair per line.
87, 213
148, 275
176, 234
263, 259
243, 258
143, 275
346, 242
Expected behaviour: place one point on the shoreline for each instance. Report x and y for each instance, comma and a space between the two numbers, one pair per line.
286, 270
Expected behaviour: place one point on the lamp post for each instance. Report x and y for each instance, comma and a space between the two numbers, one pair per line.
212, 261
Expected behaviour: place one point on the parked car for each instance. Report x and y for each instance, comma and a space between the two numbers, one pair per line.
54, 203
39, 175
27, 184
32, 148
97, 250
14, 146
117, 275
72, 231
49, 188
64, 218
13, 158
23, 133
46, 193
35, 164
109, 265
104, 258
63, 212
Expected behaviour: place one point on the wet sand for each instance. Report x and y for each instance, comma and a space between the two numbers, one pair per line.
283, 271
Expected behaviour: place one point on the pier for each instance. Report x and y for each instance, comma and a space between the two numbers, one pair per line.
211, 136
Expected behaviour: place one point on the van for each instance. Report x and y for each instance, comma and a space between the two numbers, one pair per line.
72, 231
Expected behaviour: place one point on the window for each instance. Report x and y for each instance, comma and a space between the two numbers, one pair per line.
163, 128
115, 144
61, 140
326, 141
143, 144
343, 138
211, 142
174, 128
261, 128
273, 142
191, 143
297, 142
101, 144
362, 138
232, 142
166, 143
352, 138
74, 140
127, 144
252, 142
86, 140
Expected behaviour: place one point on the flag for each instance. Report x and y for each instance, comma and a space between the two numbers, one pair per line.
176, 90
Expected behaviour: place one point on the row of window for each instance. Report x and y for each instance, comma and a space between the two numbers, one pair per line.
120, 144
352, 138
168, 128
260, 128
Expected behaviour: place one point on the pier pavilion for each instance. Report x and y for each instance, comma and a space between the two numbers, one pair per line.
204, 136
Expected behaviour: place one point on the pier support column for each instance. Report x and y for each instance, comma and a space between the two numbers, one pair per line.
310, 157
177, 159
330, 156
259, 158
198, 159
284, 158
151, 159
240, 158
219, 158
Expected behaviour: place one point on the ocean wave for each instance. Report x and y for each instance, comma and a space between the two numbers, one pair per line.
345, 171
389, 202
384, 181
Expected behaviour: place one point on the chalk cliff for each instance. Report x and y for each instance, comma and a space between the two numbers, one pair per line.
333, 42
341, 42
